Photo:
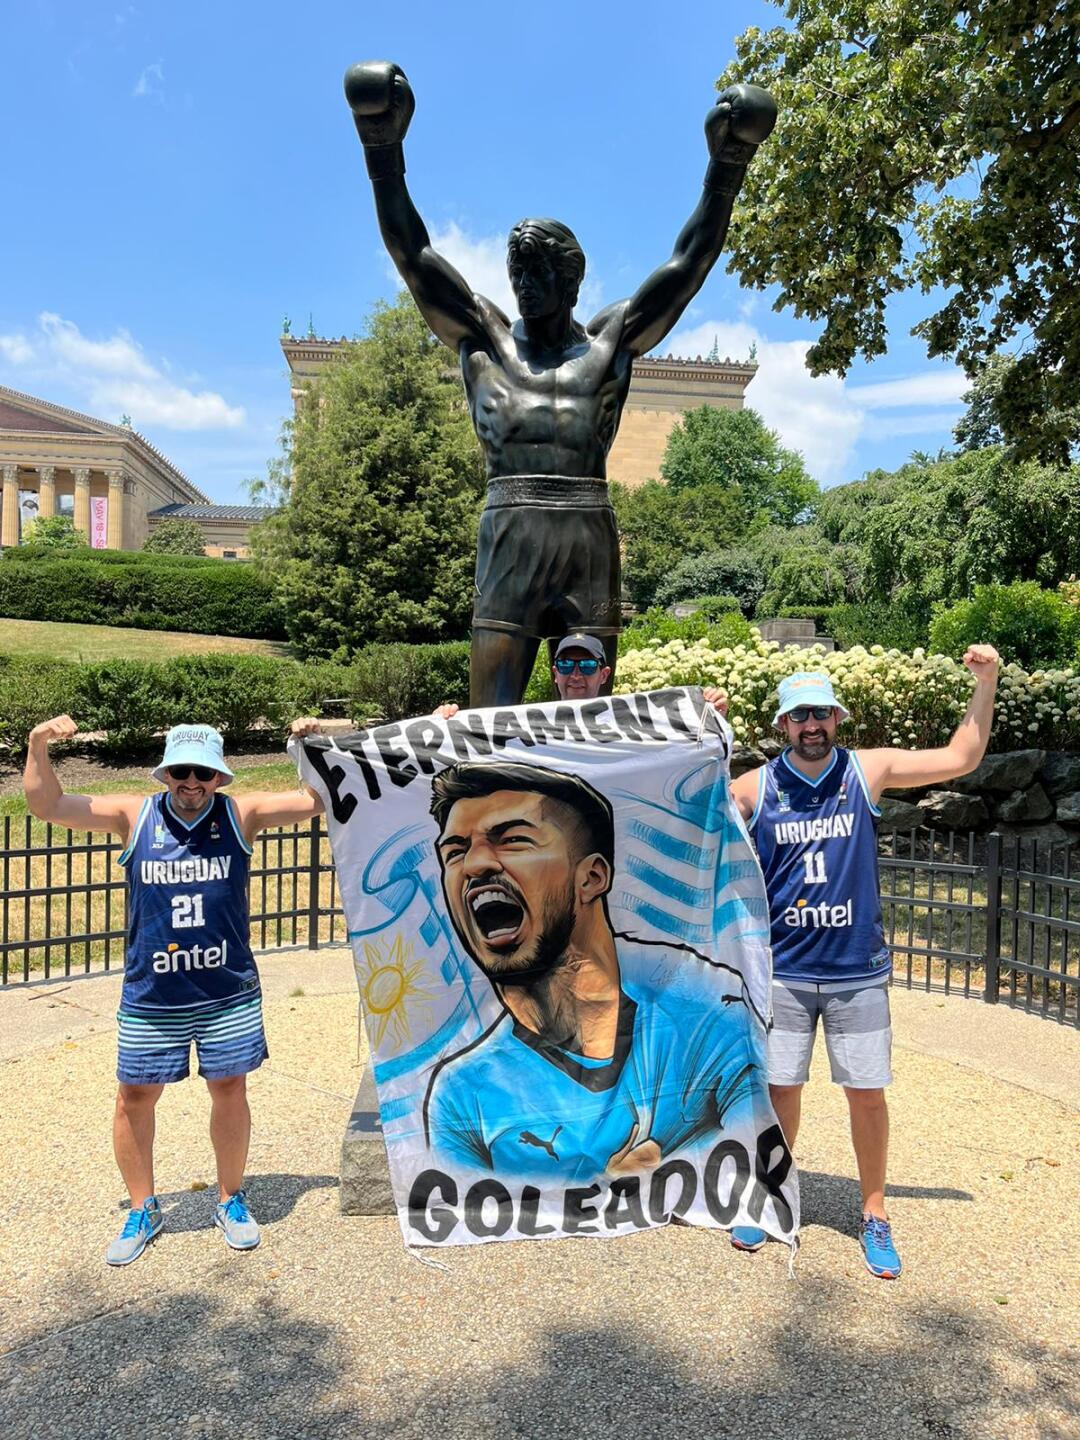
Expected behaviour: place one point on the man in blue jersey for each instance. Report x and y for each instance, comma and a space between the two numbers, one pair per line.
189, 974
813, 815
630, 1050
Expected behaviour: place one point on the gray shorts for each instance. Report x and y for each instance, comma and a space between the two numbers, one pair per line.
858, 1035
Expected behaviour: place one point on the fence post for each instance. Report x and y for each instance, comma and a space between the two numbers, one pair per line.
313, 883
993, 918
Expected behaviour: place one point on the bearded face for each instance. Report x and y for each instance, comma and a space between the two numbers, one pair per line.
509, 877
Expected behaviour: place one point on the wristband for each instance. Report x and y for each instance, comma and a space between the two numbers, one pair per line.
384, 161
724, 177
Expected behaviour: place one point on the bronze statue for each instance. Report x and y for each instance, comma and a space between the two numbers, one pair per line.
545, 393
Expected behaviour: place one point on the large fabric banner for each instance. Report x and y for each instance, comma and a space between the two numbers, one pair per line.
561, 941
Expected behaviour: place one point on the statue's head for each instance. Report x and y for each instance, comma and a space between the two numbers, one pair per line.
546, 266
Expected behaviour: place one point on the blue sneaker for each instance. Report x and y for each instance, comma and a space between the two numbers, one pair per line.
748, 1237
140, 1227
236, 1222
875, 1236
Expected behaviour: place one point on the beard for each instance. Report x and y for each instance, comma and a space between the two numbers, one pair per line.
815, 748
526, 964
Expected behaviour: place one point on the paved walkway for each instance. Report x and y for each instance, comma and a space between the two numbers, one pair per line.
331, 1329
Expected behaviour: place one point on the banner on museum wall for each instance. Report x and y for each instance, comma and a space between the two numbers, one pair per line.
99, 522
560, 937
29, 509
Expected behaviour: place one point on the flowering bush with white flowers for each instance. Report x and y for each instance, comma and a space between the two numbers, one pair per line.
915, 701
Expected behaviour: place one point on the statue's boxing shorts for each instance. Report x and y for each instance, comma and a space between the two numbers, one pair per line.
547, 558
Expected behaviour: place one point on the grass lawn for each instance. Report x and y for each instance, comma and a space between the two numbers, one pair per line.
109, 642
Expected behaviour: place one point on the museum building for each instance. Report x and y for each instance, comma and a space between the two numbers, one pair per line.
660, 390
112, 482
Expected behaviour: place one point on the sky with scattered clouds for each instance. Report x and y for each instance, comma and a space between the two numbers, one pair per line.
181, 178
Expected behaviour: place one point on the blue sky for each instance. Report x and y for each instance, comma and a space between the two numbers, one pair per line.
180, 177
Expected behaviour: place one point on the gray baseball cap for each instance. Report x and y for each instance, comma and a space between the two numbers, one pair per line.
580, 641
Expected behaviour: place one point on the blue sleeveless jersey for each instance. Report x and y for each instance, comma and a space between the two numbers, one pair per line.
817, 843
188, 940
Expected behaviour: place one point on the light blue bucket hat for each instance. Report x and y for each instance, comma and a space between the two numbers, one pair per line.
806, 687
194, 745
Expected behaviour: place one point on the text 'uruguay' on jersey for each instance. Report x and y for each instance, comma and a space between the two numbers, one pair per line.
196, 871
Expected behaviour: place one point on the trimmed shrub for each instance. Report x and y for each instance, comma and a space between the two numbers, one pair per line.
717, 572
128, 699
392, 681
32, 690
656, 626
235, 693
1027, 625
896, 627
145, 592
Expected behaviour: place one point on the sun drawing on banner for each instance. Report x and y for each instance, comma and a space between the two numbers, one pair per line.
388, 984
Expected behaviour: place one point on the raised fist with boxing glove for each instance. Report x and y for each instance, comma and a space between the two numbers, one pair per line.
382, 104
741, 119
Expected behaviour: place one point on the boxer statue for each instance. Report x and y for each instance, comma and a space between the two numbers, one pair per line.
545, 393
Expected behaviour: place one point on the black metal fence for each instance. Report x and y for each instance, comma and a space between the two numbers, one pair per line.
979, 915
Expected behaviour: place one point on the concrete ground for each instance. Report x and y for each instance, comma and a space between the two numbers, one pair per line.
331, 1328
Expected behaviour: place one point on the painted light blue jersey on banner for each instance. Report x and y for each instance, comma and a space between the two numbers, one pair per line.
817, 843
188, 939
681, 1068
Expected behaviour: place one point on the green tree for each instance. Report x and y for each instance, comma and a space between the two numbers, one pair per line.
926, 145
734, 571
54, 532
990, 393
175, 536
660, 526
376, 535
735, 449
933, 531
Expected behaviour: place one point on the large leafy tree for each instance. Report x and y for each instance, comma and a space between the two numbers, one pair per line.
660, 526
735, 449
374, 537
933, 531
929, 145
54, 532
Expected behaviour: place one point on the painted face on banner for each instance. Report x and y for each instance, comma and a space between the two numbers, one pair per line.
509, 876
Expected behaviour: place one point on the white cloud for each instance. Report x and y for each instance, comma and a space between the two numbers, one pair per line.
109, 378
481, 261
151, 83
16, 349
822, 416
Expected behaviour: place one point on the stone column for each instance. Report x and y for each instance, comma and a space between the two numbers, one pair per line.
46, 491
9, 516
115, 531
82, 500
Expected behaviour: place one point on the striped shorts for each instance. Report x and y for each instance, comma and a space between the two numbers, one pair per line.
858, 1032
155, 1042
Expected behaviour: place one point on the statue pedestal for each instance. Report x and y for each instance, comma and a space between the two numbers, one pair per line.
365, 1173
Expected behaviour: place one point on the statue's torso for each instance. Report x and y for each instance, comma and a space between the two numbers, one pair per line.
546, 413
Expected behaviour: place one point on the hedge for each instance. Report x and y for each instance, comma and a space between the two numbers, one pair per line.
145, 592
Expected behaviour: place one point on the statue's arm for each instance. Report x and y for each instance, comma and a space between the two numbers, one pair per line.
742, 118
382, 103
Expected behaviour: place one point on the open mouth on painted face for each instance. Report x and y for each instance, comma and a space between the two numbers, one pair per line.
497, 914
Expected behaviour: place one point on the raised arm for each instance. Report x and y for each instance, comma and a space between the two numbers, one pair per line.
740, 120
885, 769
382, 105
45, 796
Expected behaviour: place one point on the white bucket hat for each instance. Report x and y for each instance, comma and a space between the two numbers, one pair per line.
194, 745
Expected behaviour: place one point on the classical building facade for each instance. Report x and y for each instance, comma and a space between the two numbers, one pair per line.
660, 390
108, 478
226, 528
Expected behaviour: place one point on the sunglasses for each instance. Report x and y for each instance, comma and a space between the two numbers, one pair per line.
802, 713
184, 772
587, 667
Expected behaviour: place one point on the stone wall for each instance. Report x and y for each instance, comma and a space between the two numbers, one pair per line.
1022, 792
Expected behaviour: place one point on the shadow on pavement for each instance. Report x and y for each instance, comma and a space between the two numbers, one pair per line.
271, 1196
190, 1365
835, 1201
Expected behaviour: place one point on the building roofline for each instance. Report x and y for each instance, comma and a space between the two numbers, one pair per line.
122, 432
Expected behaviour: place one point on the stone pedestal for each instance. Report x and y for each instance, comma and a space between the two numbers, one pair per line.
365, 1173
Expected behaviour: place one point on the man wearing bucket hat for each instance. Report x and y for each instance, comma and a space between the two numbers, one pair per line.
813, 815
189, 973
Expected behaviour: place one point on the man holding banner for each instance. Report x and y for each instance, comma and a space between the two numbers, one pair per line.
813, 814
